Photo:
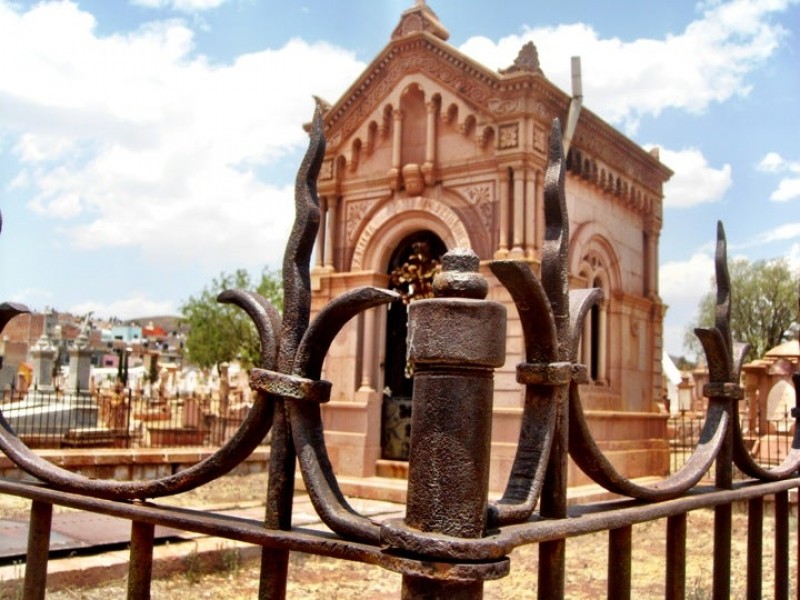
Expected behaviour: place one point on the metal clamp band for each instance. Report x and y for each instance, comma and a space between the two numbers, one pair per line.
557, 373
723, 389
290, 386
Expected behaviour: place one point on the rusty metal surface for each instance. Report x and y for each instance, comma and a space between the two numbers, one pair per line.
453, 346
35, 585
619, 562
675, 584
755, 546
452, 537
140, 571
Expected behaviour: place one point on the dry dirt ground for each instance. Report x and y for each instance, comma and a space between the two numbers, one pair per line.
312, 577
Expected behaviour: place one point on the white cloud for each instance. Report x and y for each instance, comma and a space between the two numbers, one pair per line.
695, 181
788, 231
133, 140
625, 80
681, 285
788, 187
186, 6
32, 148
771, 163
777, 238
139, 305
674, 276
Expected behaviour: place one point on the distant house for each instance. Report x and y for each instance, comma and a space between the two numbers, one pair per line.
124, 333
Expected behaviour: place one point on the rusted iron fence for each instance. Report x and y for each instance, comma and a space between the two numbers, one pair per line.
124, 418
769, 441
452, 538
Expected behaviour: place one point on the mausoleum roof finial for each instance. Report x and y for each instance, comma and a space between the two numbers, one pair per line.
420, 17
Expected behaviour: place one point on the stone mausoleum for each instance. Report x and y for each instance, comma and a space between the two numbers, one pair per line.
429, 150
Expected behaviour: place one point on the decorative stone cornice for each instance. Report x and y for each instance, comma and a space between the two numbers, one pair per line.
596, 137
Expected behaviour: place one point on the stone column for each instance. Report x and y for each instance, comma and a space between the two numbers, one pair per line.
586, 345
430, 143
519, 212
502, 244
79, 366
397, 138
602, 336
397, 147
685, 392
319, 255
651, 229
224, 390
654, 261
538, 210
368, 352
331, 222
43, 354
530, 213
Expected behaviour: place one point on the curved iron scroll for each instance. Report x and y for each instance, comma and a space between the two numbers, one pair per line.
288, 386
302, 348
540, 323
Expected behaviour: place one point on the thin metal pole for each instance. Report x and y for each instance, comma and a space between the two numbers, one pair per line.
140, 570
38, 550
782, 545
755, 547
280, 495
619, 563
723, 519
676, 557
722, 552
552, 555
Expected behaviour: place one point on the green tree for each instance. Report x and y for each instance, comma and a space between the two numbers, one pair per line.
764, 305
222, 332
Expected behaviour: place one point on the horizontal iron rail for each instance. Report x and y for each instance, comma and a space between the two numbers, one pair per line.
298, 539
592, 518
581, 520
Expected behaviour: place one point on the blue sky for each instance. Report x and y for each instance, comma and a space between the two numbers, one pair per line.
146, 146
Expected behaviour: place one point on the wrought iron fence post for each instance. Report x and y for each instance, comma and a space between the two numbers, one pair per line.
455, 342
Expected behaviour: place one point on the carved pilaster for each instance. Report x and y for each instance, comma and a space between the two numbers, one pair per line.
320, 243
397, 148
430, 144
502, 243
519, 212
530, 213
331, 222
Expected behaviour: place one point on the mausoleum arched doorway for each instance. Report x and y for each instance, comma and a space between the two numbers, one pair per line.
411, 268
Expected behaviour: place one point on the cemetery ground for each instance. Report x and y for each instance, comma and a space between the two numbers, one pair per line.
231, 574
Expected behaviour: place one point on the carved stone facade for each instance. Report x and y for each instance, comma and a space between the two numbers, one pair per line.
427, 140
